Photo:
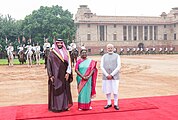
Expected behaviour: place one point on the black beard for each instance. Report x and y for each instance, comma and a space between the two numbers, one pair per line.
59, 47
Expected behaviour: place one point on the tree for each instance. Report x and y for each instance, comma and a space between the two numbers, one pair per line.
9, 29
49, 22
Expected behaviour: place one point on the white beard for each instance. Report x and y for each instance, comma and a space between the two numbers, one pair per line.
111, 52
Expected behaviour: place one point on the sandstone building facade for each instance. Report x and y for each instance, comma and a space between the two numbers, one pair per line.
95, 32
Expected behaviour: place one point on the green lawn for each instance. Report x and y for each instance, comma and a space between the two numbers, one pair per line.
16, 62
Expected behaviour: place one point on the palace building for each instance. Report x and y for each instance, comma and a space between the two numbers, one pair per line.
95, 31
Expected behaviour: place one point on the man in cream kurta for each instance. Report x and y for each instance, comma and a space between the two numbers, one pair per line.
110, 66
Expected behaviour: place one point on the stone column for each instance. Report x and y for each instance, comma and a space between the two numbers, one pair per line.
143, 33
148, 32
131, 32
127, 32
137, 33
153, 33
105, 32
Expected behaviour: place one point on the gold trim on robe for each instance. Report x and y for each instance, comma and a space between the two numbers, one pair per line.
58, 55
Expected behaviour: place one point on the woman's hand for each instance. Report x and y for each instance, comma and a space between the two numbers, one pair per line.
85, 77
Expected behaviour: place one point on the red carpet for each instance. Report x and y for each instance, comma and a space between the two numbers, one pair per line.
8, 113
157, 108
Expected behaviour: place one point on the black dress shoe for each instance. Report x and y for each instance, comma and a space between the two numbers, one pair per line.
107, 106
116, 107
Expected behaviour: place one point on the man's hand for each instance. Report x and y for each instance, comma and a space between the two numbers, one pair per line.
52, 78
93, 96
67, 76
109, 77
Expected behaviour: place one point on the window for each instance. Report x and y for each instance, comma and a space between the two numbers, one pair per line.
155, 32
145, 38
88, 25
125, 33
114, 25
174, 25
135, 32
102, 33
145, 32
165, 36
164, 26
88, 36
174, 36
89, 50
129, 32
125, 38
151, 32
140, 32
114, 36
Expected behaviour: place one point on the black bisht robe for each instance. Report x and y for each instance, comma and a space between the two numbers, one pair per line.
59, 92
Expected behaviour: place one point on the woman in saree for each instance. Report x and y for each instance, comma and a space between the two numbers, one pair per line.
86, 80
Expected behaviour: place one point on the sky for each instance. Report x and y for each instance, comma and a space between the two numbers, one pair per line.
18, 9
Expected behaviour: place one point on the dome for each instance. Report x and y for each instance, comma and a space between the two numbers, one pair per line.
163, 14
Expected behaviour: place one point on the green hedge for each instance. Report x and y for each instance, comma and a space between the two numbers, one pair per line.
16, 62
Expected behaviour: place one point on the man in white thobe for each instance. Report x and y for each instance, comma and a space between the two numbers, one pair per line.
10, 55
46, 45
20, 48
110, 66
37, 53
